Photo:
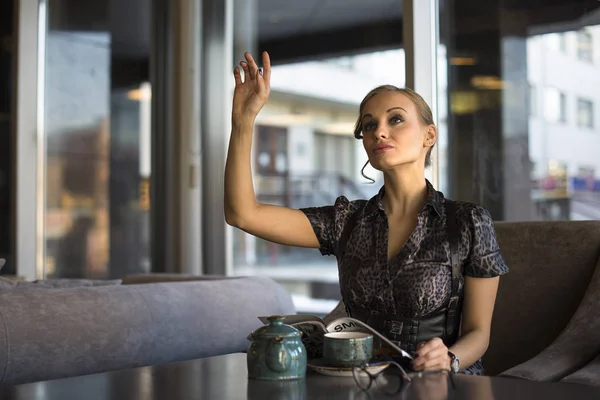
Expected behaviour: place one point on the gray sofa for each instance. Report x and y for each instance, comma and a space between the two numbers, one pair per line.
546, 322
49, 332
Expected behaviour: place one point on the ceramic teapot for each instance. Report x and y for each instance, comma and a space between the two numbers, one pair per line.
276, 352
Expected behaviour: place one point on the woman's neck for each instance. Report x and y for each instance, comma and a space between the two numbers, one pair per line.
405, 192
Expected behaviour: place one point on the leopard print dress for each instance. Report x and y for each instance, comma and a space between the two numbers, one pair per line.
417, 280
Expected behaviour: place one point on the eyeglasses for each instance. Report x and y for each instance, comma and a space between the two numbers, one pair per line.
391, 383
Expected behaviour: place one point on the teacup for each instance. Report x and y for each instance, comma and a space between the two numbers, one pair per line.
347, 349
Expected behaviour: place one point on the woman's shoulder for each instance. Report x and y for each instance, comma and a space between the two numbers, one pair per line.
341, 209
345, 206
473, 213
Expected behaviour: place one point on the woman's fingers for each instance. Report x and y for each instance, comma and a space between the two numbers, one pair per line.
260, 82
425, 347
266, 60
244, 65
253, 74
237, 75
252, 65
431, 355
436, 365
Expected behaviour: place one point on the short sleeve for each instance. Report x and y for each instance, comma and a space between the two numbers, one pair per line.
484, 260
327, 222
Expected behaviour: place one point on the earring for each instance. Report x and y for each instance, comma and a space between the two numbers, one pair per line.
362, 172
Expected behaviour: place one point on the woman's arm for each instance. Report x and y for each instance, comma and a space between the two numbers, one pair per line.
276, 224
478, 307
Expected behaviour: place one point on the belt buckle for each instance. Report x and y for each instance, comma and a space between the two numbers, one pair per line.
453, 304
395, 327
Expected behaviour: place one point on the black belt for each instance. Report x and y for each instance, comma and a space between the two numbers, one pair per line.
408, 332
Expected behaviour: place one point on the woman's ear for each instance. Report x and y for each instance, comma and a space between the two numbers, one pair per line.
430, 136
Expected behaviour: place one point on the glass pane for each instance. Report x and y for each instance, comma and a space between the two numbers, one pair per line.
97, 119
585, 45
523, 158
7, 40
305, 153
585, 113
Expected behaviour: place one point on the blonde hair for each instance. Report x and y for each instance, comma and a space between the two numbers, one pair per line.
423, 110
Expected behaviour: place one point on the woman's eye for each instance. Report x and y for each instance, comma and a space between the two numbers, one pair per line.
369, 126
395, 120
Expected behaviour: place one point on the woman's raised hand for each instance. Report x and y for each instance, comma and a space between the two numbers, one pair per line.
252, 93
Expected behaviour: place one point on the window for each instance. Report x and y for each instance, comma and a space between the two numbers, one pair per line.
562, 42
342, 62
557, 41
563, 107
555, 107
585, 113
532, 100
584, 46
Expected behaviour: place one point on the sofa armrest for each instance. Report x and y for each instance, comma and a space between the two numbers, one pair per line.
51, 334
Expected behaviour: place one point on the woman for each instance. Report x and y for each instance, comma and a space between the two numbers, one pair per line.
393, 251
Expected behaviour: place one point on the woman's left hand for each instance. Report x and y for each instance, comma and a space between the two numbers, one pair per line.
431, 355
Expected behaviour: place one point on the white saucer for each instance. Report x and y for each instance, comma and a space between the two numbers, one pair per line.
320, 365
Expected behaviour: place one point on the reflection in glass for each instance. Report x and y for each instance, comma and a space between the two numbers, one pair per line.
520, 118
97, 122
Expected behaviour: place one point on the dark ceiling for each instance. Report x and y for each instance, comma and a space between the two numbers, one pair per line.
279, 19
295, 30
129, 20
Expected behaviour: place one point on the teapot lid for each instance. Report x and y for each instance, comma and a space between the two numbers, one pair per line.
276, 327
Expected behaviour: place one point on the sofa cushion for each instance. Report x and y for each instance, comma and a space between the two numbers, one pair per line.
576, 346
588, 375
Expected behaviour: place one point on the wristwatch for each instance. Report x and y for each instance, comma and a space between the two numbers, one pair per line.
454, 362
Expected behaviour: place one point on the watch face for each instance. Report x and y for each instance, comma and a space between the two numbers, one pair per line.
455, 365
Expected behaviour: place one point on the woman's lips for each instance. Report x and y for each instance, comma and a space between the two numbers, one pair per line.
382, 149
